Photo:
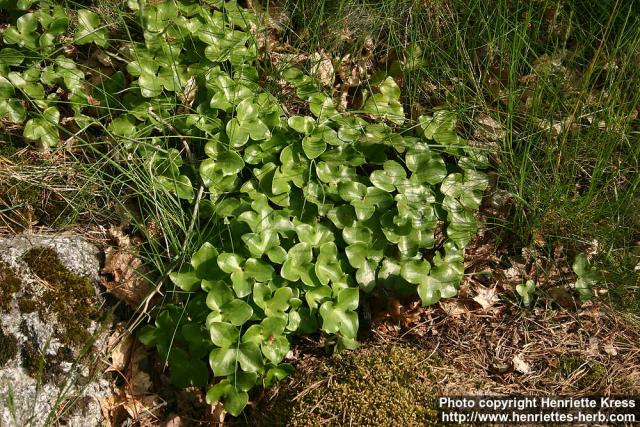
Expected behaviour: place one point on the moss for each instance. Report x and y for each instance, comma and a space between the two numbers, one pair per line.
373, 386
44, 368
26, 204
65, 293
594, 371
9, 145
27, 304
8, 347
10, 283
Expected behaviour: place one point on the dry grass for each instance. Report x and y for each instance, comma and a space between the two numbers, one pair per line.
542, 351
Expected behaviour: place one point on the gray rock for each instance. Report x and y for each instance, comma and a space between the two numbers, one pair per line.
47, 377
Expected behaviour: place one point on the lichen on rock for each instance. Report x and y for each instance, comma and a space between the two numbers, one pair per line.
50, 316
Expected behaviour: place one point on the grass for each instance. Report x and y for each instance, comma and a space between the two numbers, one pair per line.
559, 77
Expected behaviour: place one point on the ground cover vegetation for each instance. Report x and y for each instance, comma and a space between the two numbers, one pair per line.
284, 181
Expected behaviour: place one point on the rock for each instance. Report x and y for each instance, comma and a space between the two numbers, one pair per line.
51, 332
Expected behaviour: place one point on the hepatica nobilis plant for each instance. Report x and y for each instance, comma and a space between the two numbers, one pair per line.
318, 210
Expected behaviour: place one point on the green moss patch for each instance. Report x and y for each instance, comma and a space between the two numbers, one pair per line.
591, 372
10, 283
45, 368
70, 298
8, 347
26, 204
373, 386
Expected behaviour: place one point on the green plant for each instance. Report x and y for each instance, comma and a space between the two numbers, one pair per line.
309, 211
526, 291
550, 85
588, 277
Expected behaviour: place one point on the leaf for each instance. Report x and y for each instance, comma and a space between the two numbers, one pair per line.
357, 234
204, 261
313, 235
366, 275
258, 270
350, 191
89, 29
415, 271
237, 312
187, 371
223, 334
429, 291
526, 291
250, 357
230, 263
275, 348
123, 126
386, 104
234, 400
348, 299
520, 365
13, 110
486, 297
302, 124
278, 373
187, 280
238, 135
181, 186
313, 147
223, 361
336, 319
327, 265
580, 265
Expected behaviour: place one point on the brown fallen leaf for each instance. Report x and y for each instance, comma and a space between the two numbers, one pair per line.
453, 307
127, 271
562, 297
520, 365
610, 349
139, 381
142, 407
217, 414
489, 129
322, 68
486, 297
120, 342
174, 421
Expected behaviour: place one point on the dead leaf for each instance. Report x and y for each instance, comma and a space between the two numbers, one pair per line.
120, 342
486, 297
453, 307
322, 68
188, 95
488, 128
520, 365
126, 270
137, 408
562, 297
594, 346
217, 414
139, 381
174, 421
610, 349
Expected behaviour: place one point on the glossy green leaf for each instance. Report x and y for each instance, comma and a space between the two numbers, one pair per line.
187, 280
223, 334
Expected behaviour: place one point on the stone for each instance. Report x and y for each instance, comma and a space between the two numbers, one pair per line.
52, 332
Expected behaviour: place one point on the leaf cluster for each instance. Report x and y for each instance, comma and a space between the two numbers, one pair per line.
318, 209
